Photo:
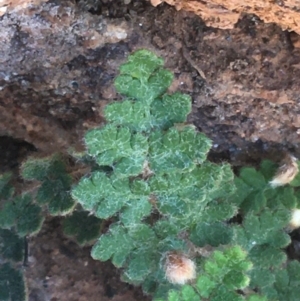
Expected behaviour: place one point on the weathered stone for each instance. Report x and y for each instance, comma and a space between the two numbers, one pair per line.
52, 61
225, 13
9, 5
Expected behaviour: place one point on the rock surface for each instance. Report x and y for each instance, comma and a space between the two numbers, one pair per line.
225, 13
46, 80
9, 5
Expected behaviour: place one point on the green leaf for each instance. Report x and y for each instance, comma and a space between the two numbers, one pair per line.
144, 87
177, 150
173, 207
173, 296
268, 169
172, 243
138, 116
219, 181
279, 239
142, 234
223, 273
35, 169
256, 298
219, 211
134, 115
130, 166
284, 196
205, 285
255, 202
141, 64
213, 234
11, 245
108, 138
171, 109
164, 228
236, 280
23, 214
110, 206
135, 211
140, 265
266, 256
6, 190
12, 285
242, 191
90, 191
189, 294
83, 226
261, 277
56, 183
55, 194
293, 269
270, 292
41, 169
253, 178
222, 293
116, 244
117, 146
140, 187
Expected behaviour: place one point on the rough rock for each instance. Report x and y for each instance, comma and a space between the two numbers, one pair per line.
50, 72
225, 13
9, 5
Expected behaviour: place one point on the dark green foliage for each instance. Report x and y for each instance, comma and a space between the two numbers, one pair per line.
18, 217
108, 195
213, 234
148, 106
6, 190
140, 116
138, 250
12, 285
254, 192
22, 214
134, 248
143, 77
11, 245
120, 147
178, 149
83, 226
267, 213
286, 283
55, 183
222, 274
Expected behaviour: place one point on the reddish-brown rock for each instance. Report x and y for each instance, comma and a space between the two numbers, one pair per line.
225, 13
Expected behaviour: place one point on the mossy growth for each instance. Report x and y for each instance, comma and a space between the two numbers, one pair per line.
55, 183
19, 217
83, 226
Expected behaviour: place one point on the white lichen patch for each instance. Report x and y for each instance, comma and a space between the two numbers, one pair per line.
286, 173
295, 219
179, 268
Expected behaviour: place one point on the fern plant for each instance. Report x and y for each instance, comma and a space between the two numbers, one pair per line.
14, 226
23, 215
180, 226
162, 197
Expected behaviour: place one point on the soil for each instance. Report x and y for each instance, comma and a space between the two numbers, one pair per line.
244, 84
